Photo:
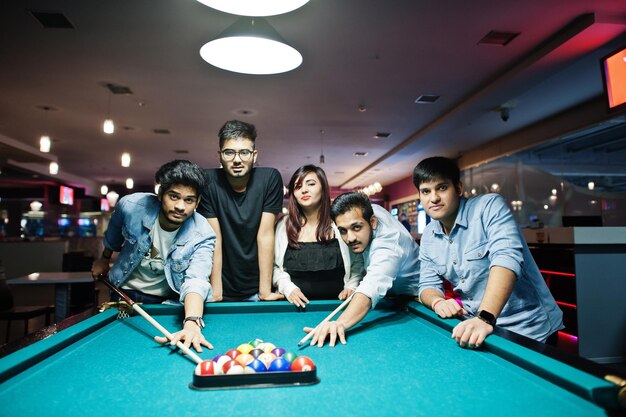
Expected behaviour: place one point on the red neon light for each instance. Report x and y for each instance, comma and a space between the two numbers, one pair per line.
563, 274
561, 303
568, 336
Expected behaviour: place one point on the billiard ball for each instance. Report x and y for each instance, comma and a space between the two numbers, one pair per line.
220, 360
257, 366
278, 351
233, 353
207, 367
267, 358
244, 359
256, 352
279, 365
232, 367
289, 356
266, 347
255, 342
302, 363
245, 348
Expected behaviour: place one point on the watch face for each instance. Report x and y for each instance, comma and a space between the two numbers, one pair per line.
487, 317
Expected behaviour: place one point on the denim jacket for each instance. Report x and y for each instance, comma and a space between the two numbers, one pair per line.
188, 262
485, 234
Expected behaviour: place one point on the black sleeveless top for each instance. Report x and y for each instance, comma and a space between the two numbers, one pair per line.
316, 268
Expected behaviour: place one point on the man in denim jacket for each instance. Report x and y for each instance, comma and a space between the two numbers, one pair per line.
166, 249
475, 245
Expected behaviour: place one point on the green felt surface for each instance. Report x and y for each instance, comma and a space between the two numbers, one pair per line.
395, 363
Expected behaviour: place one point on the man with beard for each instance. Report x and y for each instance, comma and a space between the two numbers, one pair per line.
165, 248
240, 203
390, 256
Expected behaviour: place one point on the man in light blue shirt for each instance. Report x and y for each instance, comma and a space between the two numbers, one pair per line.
389, 253
475, 245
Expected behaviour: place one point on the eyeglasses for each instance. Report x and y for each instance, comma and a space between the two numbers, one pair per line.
244, 154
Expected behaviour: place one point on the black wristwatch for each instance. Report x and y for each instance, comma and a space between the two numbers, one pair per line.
487, 317
195, 319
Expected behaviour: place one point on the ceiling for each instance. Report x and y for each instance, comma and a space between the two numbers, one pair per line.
365, 63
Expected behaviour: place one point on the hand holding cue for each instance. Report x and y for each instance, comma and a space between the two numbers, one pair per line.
152, 321
328, 318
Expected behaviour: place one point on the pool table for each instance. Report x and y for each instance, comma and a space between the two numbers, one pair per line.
400, 360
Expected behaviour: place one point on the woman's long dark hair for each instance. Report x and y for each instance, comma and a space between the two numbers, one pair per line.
296, 219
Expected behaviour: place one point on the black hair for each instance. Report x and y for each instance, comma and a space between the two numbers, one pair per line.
180, 172
348, 201
234, 129
436, 168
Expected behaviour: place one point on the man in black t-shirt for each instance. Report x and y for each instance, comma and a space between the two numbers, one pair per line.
241, 202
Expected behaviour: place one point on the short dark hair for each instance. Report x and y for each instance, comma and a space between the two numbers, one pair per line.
180, 172
234, 129
436, 168
348, 201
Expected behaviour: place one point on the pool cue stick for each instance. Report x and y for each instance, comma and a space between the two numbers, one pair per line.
328, 318
152, 321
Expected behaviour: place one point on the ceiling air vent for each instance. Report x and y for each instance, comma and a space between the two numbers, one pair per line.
382, 135
51, 20
360, 154
118, 89
181, 151
161, 131
498, 38
427, 99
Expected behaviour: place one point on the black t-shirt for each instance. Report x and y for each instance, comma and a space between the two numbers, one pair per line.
239, 215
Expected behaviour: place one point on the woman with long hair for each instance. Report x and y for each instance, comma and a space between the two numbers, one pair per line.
311, 261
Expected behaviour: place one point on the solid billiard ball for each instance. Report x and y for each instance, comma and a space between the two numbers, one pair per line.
244, 359
267, 358
278, 351
255, 342
257, 366
302, 363
207, 367
232, 367
245, 348
256, 352
279, 365
233, 353
289, 356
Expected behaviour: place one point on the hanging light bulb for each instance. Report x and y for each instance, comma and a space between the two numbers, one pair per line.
104, 190
255, 7
125, 159
130, 183
54, 168
112, 197
44, 144
108, 127
591, 185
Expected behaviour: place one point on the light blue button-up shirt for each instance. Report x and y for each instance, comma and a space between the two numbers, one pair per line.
190, 258
391, 260
485, 234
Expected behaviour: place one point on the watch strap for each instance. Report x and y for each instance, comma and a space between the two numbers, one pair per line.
196, 319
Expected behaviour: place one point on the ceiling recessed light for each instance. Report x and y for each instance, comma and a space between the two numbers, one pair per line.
496, 37
427, 99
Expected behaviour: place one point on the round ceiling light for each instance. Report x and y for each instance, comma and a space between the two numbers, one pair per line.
255, 7
251, 46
